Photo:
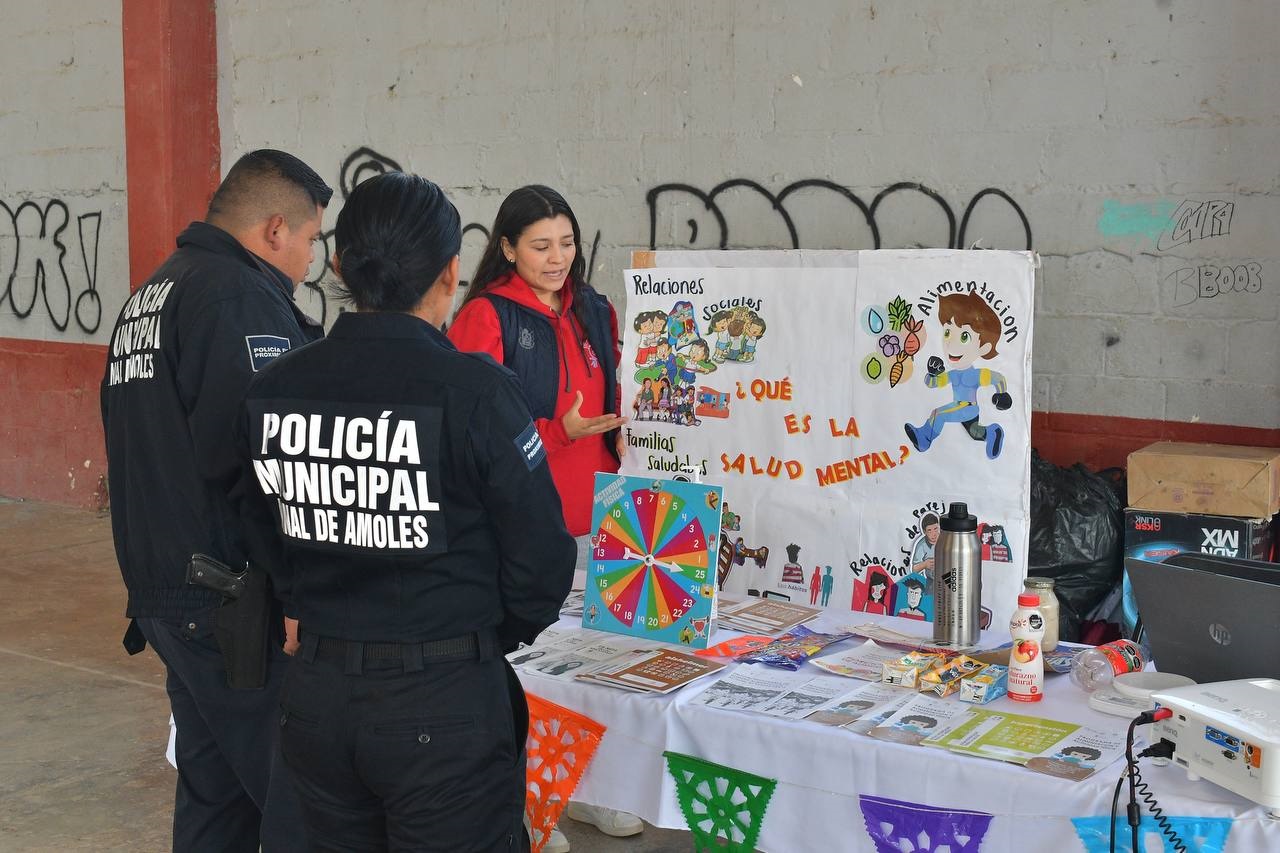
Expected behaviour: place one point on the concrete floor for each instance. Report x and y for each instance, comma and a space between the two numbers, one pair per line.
84, 725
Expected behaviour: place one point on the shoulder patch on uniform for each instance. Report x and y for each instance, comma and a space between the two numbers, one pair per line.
264, 349
529, 443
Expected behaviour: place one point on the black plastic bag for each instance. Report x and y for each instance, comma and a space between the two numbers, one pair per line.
1077, 536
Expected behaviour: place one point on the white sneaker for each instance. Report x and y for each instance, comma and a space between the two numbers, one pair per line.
556, 842
609, 821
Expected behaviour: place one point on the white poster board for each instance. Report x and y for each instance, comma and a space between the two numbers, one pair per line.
802, 383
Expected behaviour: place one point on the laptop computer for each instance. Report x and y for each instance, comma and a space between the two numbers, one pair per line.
1210, 618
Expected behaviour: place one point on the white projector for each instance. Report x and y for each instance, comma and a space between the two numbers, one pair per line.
1228, 733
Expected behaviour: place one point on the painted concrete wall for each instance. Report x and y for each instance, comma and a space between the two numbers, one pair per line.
63, 250
1138, 139
1131, 144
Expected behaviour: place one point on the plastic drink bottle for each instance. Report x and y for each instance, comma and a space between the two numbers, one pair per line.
957, 579
1096, 668
1026, 659
1043, 587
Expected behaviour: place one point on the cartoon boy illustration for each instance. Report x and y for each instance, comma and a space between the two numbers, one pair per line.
922, 554
916, 723
662, 364
719, 327
737, 331
753, 333
828, 583
1082, 756
696, 360
915, 593
970, 331
650, 325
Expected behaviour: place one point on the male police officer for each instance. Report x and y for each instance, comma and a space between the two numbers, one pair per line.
400, 497
182, 353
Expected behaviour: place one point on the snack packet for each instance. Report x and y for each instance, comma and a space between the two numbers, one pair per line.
945, 680
792, 649
906, 670
983, 687
735, 646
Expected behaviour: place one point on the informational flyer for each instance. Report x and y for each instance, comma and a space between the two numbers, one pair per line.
860, 704
750, 688
865, 661
799, 702
920, 718
582, 659
842, 406
1052, 747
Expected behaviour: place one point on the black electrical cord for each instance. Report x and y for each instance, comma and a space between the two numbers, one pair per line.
1138, 786
1115, 805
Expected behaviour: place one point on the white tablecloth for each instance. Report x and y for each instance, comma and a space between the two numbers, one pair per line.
821, 770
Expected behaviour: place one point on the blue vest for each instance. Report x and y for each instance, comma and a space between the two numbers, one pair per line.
530, 350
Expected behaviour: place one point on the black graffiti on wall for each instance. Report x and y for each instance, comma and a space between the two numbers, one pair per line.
357, 167
33, 264
1197, 220
738, 204
744, 197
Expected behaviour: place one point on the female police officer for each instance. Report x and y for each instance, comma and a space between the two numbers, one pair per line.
416, 535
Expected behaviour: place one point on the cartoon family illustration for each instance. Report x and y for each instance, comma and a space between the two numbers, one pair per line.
672, 356
970, 332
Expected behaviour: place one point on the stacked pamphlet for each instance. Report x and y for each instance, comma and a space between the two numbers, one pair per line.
1065, 750
865, 661
615, 661
652, 671
764, 615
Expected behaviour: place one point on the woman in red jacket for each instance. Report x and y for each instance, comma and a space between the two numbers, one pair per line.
530, 307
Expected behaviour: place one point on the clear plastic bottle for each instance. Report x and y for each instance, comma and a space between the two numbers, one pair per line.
1026, 659
1096, 668
1043, 587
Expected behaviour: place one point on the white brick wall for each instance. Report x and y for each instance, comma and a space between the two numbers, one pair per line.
62, 138
1073, 108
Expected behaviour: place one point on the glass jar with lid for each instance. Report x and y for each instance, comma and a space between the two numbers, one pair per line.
1043, 587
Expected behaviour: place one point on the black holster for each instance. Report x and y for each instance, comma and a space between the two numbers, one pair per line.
241, 627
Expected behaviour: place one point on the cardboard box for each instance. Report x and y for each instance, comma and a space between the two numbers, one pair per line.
1215, 479
1155, 535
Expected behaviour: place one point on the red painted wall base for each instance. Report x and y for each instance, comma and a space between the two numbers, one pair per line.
52, 450
1105, 442
51, 445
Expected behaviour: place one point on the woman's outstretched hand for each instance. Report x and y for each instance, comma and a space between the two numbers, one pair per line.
576, 426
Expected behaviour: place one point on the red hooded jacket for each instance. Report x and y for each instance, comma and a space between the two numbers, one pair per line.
573, 462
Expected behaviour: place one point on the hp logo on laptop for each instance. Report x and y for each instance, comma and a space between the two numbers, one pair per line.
1220, 634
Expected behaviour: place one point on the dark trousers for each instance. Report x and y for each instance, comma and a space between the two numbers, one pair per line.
399, 754
233, 790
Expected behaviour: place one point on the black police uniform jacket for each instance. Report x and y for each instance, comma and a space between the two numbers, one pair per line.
397, 490
183, 350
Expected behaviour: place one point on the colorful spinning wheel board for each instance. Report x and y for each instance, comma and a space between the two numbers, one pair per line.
653, 557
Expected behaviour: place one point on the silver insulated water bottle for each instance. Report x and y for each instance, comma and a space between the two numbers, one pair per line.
957, 579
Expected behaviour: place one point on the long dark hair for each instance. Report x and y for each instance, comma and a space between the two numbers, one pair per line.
518, 211
394, 236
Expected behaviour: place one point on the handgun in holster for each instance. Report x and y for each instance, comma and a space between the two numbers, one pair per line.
240, 624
